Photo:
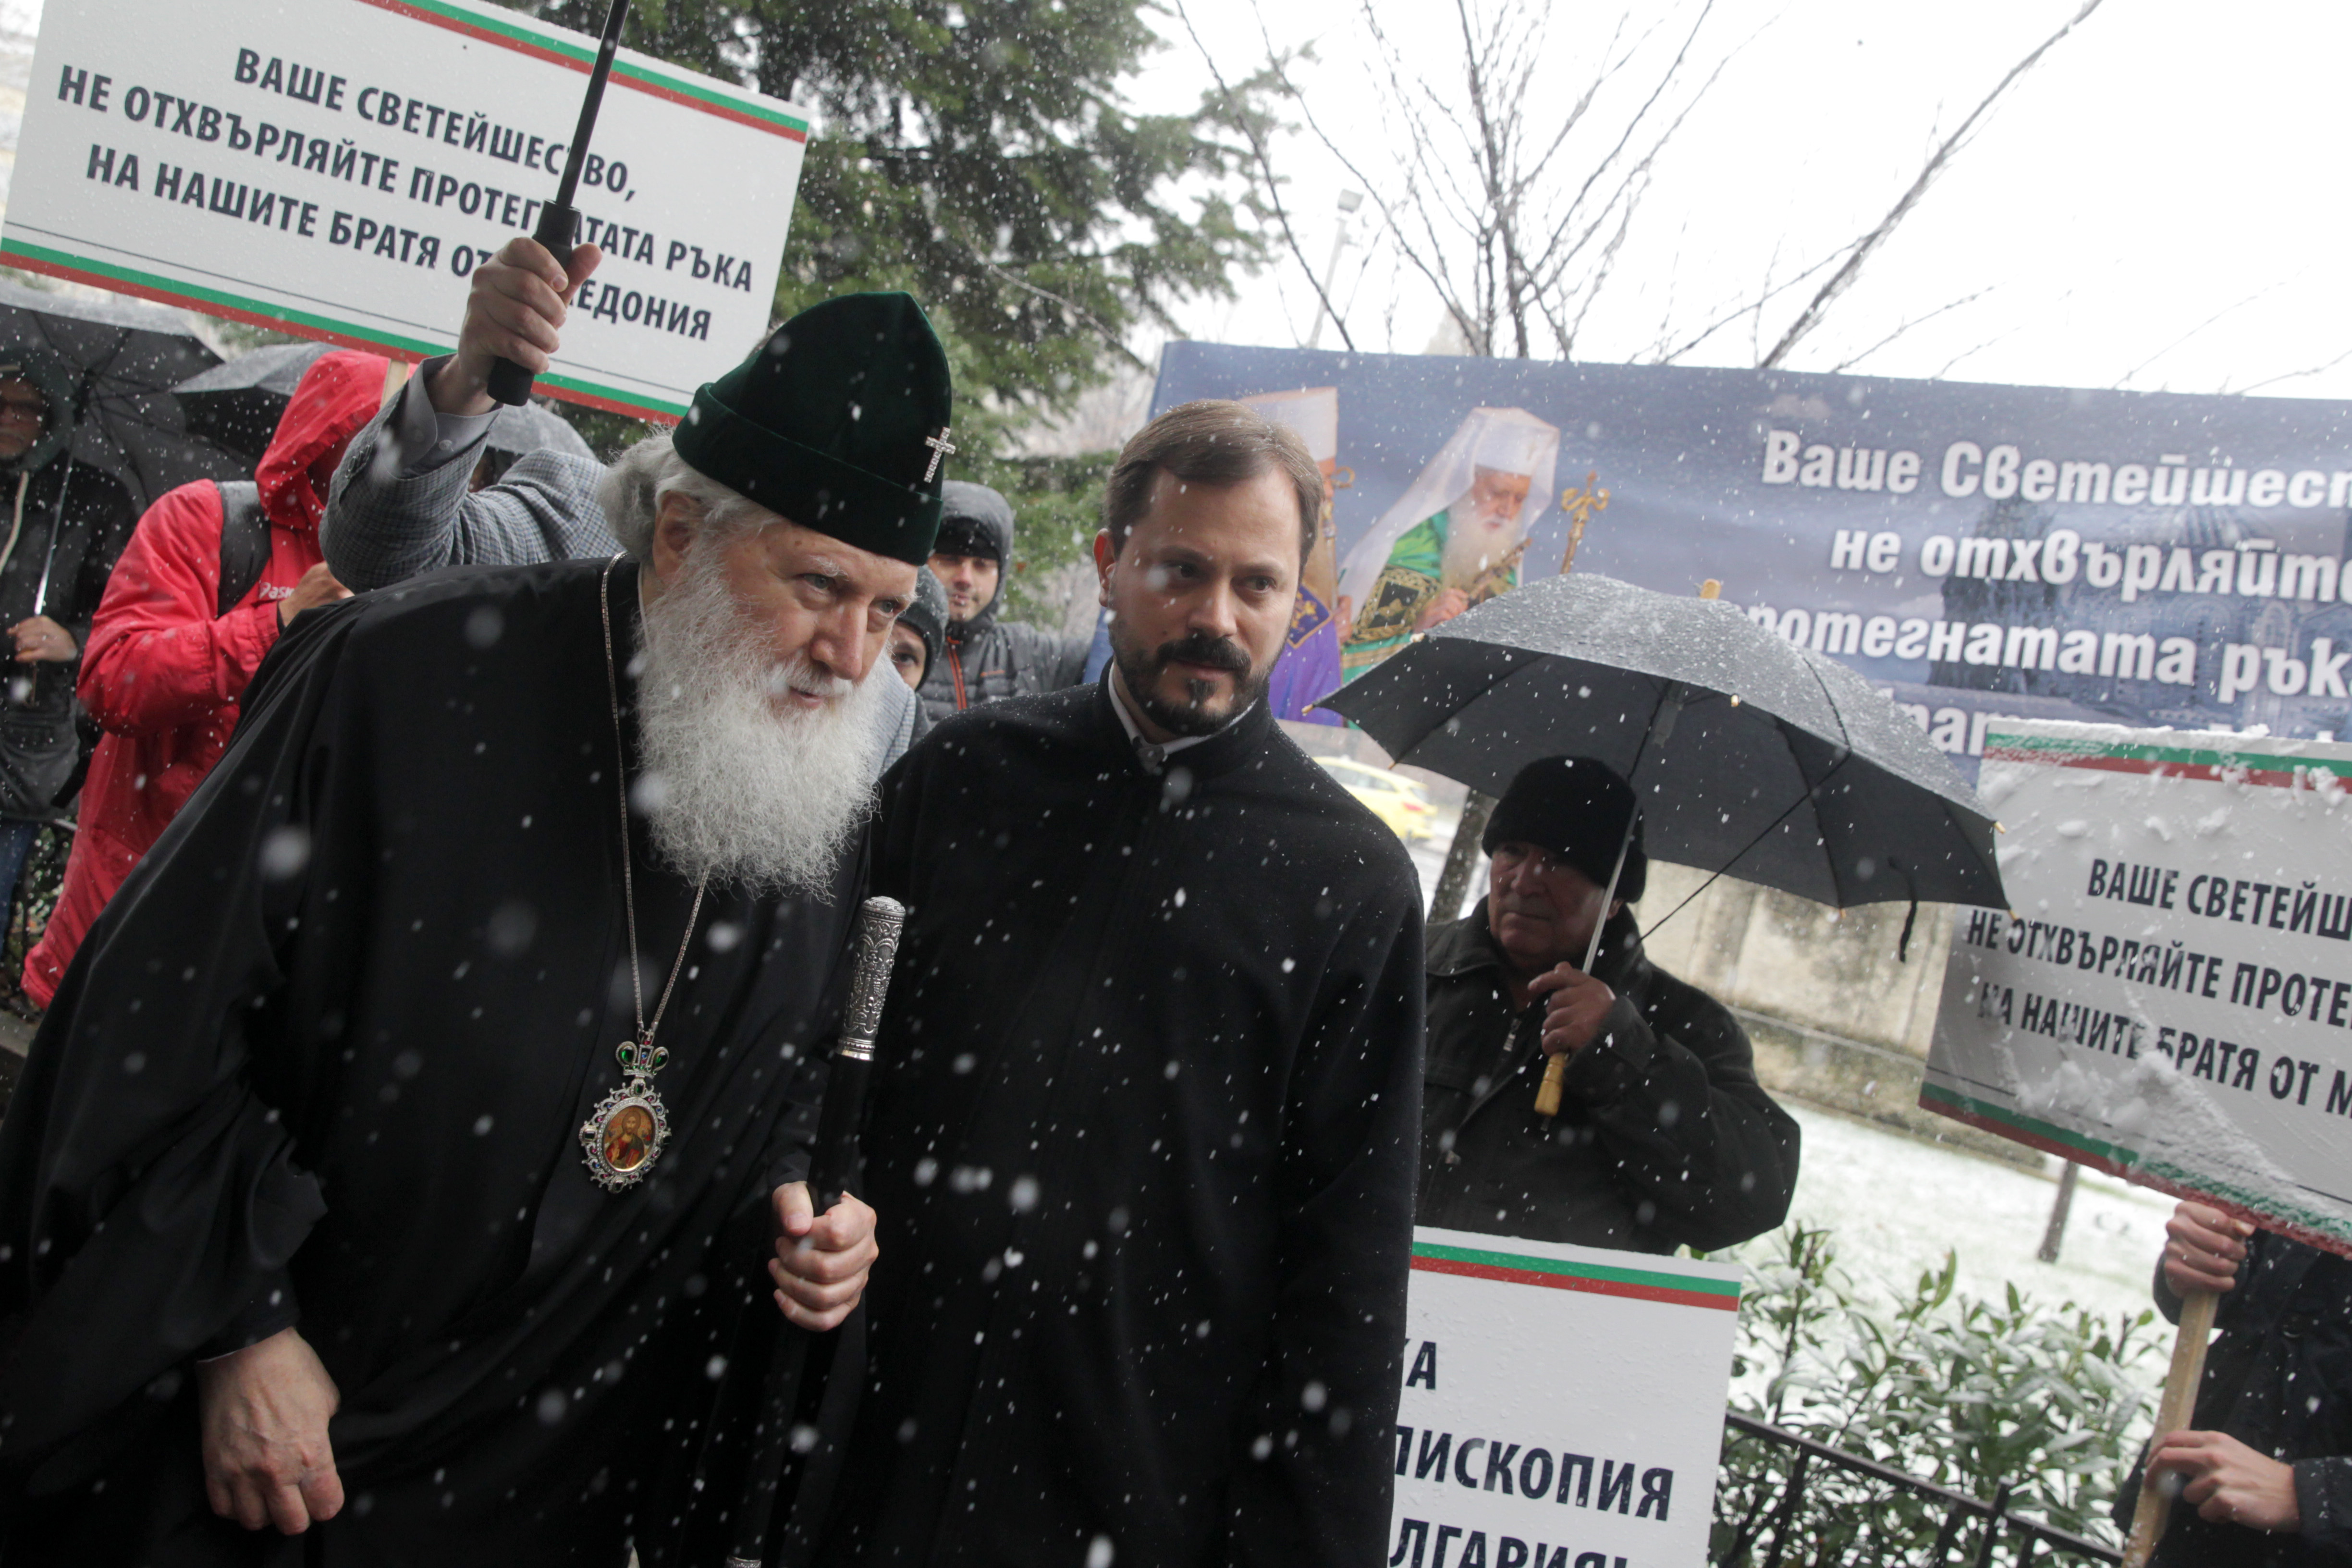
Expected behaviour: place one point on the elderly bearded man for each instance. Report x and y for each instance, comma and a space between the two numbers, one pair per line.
1143, 1143
405, 502
328, 1200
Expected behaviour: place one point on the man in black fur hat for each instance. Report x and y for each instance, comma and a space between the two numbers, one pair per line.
1664, 1136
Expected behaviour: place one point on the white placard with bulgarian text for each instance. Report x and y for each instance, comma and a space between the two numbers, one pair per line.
337, 168
2169, 996
1563, 1405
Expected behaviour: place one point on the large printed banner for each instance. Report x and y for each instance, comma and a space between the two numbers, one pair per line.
2171, 999
1563, 1405
1975, 550
337, 169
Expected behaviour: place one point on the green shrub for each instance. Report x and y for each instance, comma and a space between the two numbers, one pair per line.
1968, 1394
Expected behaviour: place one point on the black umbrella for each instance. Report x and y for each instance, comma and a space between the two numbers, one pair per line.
519, 427
239, 403
124, 359
1752, 756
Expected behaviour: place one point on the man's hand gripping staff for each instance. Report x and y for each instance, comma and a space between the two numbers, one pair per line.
832, 1166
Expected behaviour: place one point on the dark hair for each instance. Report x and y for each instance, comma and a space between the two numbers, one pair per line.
1215, 443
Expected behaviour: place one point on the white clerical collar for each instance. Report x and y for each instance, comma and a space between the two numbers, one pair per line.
1155, 753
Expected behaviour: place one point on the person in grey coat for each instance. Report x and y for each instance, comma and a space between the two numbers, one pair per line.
1664, 1137
986, 659
403, 505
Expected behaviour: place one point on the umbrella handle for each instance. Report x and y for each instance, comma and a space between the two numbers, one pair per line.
1555, 1077
1555, 1080
559, 223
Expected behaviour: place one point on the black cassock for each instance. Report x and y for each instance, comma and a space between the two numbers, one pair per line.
329, 1051
1142, 1144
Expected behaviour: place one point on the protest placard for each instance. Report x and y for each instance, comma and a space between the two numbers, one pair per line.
1975, 552
1563, 1405
2170, 997
337, 169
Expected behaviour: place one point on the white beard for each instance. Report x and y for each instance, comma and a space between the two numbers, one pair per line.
1473, 545
736, 790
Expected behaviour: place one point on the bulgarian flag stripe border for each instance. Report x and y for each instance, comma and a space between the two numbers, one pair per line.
2309, 1225
1561, 1274
19, 252
563, 51
2177, 762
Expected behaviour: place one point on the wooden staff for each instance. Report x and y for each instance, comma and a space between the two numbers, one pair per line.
2174, 1412
834, 1165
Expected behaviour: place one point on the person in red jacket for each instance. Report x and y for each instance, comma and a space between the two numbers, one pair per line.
163, 667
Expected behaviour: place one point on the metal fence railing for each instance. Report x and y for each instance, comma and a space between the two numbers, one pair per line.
1774, 1518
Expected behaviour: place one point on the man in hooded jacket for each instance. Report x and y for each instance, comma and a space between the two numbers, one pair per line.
166, 664
65, 524
985, 661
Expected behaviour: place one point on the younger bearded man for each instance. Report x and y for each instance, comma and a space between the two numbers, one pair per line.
1149, 1088
327, 1197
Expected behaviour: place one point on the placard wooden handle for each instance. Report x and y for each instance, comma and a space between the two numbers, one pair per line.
2173, 1412
1547, 1092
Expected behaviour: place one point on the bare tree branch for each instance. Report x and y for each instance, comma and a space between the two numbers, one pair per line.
1914, 321
1749, 309
1946, 368
2294, 374
1411, 254
1810, 316
1266, 168
1073, 308
2191, 332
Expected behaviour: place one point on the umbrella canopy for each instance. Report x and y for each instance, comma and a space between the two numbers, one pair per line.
1751, 756
239, 403
519, 427
124, 360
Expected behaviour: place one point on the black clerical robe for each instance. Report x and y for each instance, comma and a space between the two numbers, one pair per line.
325, 1059
1142, 1146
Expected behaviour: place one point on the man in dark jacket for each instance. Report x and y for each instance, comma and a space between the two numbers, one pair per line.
985, 660
1663, 1137
64, 524
2266, 1470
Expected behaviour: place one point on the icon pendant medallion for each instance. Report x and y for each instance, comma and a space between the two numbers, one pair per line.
624, 1135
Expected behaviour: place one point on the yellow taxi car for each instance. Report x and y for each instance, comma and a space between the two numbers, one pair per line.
1400, 803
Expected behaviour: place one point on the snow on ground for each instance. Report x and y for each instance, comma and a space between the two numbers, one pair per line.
1895, 1204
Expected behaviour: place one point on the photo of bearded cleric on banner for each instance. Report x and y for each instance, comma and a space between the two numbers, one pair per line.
1454, 539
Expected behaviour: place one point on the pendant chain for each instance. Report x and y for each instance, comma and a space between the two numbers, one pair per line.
628, 881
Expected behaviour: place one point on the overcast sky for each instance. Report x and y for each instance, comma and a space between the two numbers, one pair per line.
2155, 206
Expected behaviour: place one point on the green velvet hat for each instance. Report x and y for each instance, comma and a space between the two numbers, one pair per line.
838, 423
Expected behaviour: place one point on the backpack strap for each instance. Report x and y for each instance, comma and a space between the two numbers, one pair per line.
244, 541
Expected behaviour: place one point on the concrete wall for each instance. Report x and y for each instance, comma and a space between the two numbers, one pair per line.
1836, 1019
1834, 971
